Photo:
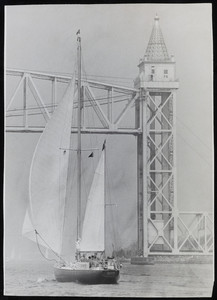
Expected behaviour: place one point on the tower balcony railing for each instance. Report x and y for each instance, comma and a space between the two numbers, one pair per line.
160, 84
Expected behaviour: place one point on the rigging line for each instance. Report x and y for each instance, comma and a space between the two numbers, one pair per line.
180, 121
30, 114
73, 173
55, 73
91, 144
39, 71
112, 215
195, 150
82, 65
117, 235
59, 178
93, 119
51, 105
131, 216
75, 64
72, 177
105, 98
39, 113
90, 135
83, 177
84, 71
70, 74
112, 81
123, 84
104, 76
33, 107
112, 212
36, 233
61, 158
42, 252
96, 136
85, 74
85, 187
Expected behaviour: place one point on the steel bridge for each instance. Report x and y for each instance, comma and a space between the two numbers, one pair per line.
162, 228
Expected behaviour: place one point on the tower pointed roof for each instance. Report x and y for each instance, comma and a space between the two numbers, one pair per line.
156, 49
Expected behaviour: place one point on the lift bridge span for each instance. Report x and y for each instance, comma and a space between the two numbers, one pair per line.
162, 228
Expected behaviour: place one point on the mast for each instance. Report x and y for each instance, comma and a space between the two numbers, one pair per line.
79, 140
104, 149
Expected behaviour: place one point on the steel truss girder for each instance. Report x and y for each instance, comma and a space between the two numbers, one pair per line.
109, 126
67, 78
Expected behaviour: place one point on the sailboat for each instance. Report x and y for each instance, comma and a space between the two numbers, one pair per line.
50, 199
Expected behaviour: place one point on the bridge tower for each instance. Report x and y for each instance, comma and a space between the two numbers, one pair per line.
156, 148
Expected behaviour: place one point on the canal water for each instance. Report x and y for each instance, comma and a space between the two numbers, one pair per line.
28, 278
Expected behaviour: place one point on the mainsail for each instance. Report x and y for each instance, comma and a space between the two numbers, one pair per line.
92, 238
48, 177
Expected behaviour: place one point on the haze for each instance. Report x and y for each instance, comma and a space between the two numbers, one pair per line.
114, 38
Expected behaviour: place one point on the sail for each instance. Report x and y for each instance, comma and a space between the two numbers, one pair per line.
48, 177
93, 226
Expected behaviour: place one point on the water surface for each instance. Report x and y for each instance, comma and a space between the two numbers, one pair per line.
159, 280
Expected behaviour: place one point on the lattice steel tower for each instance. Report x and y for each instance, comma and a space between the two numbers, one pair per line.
156, 163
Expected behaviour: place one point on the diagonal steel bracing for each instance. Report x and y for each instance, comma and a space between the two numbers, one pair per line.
160, 158
109, 125
38, 99
96, 106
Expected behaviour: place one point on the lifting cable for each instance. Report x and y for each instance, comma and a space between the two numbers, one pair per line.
192, 132
192, 148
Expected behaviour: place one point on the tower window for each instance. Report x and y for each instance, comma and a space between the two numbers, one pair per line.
165, 73
152, 70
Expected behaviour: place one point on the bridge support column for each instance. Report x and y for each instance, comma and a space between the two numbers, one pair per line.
142, 204
144, 146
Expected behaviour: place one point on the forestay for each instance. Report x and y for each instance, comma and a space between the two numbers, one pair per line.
48, 177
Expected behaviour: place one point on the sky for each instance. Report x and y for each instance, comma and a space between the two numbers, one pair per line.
114, 38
